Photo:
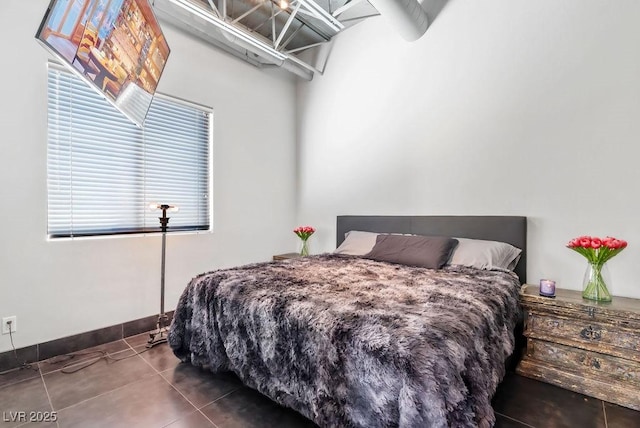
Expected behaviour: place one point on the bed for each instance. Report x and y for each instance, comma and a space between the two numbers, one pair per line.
352, 342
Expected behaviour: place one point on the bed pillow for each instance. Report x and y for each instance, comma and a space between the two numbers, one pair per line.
485, 254
357, 243
424, 251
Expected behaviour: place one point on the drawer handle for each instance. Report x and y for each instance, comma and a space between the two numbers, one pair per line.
592, 312
591, 333
591, 362
553, 323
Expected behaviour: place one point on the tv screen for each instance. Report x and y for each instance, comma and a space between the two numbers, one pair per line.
117, 46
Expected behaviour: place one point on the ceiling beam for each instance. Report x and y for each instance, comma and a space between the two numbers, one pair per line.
286, 25
346, 7
249, 12
214, 8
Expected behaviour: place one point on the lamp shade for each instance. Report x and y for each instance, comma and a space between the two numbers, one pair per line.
170, 208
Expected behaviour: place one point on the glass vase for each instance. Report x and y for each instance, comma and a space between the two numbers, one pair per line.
594, 284
304, 251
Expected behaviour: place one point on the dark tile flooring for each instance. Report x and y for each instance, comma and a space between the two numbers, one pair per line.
152, 389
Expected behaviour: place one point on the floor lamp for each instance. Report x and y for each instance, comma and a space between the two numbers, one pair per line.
160, 334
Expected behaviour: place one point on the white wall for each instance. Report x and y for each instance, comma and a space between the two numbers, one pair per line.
58, 289
503, 108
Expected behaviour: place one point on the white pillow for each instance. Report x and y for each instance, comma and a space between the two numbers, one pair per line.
357, 243
485, 254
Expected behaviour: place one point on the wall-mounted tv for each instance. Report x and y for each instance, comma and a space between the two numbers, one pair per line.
117, 46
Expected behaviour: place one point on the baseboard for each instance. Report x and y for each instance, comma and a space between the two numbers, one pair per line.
77, 342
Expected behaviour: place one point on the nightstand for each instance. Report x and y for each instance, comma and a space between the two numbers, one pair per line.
585, 346
286, 256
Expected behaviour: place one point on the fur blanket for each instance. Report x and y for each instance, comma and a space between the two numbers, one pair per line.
350, 342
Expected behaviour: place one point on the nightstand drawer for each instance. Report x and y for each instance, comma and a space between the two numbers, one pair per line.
622, 393
584, 363
623, 342
587, 313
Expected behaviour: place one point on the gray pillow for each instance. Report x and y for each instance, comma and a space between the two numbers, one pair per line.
357, 243
485, 254
424, 251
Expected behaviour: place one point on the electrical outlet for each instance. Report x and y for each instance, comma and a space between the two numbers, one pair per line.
9, 323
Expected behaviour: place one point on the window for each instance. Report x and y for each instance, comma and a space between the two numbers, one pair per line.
104, 172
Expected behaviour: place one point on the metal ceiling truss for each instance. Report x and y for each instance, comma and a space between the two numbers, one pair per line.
295, 34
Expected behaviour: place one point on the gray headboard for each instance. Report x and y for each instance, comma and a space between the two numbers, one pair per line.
509, 229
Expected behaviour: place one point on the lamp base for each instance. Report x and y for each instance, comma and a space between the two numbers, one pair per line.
159, 335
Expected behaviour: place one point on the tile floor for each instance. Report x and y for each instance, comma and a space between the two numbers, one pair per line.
153, 389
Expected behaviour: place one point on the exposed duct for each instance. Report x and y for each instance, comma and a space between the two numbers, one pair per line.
408, 16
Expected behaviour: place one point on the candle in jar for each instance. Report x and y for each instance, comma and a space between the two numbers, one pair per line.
547, 288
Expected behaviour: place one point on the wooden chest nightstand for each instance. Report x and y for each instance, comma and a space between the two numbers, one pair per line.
588, 347
286, 256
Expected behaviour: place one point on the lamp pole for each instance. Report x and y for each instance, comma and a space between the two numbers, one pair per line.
159, 335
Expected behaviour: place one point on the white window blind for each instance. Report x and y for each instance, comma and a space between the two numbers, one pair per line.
104, 172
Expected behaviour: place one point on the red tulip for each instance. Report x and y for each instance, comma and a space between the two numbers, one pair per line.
304, 232
597, 250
